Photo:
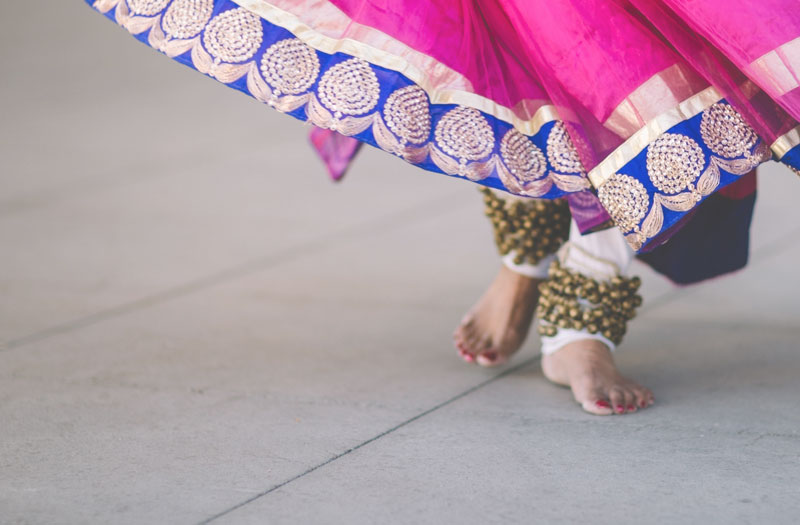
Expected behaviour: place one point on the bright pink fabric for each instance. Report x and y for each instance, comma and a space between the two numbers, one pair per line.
335, 150
589, 55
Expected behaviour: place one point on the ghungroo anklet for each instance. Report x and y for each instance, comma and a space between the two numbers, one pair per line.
531, 228
570, 300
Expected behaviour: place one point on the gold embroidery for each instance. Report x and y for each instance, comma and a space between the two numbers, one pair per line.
625, 199
186, 18
674, 162
524, 159
561, 151
147, 7
233, 36
464, 134
629, 149
726, 133
326, 28
786, 142
349, 88
290, 66
407, 114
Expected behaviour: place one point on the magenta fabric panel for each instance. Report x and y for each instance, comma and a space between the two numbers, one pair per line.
334, 149
743, 29
722, 61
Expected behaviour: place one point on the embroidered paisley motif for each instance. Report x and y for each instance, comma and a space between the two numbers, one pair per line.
233, 36
186, 18
464, 134
525, 161
561, 151
290, 66
726, 133
407, 113
674, 162
626, 200
147, 7
350, 88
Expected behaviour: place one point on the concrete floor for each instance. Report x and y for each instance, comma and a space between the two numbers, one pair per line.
197, 326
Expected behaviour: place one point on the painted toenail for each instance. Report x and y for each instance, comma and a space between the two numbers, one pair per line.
643, 404
620, 408
603, 404
631, 408
491, 356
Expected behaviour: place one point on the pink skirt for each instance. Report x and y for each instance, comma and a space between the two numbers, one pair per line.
637, 111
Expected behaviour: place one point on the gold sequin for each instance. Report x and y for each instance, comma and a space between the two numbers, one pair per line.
186, 18
290, 66
350, 88
524, 159
407, 113
465, 134
233, 36
625, 199
674, 162
726, 133
561, 150
147, 7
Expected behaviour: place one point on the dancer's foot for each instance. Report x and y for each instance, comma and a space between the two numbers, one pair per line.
587, 367
498, 323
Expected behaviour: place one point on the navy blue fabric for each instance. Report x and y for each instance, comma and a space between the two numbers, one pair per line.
714, 242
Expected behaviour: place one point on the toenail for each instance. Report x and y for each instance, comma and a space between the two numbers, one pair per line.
603, 404
631, 407
643, 404
620, 408
491, 356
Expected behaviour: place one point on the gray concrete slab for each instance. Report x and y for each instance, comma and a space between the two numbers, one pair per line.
160, 405
721, 445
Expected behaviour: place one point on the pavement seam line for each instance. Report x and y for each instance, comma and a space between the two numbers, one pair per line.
400, 425
397, 219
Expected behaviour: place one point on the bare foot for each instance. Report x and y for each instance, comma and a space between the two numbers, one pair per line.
498, 323
587, 367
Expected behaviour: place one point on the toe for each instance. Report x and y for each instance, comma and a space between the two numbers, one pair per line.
630, 401
482, 345
597, 406
490, 358
466, 356
472, 342
642, 397
464, 330
617, 398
